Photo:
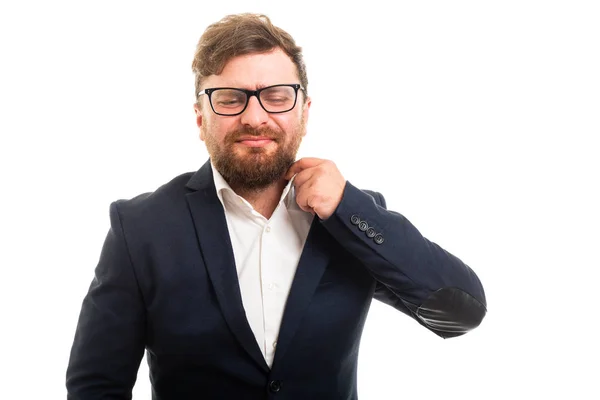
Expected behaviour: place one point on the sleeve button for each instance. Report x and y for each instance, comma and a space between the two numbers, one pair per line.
363, 226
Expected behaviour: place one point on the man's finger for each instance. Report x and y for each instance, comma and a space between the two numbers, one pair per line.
302, 177
302, 164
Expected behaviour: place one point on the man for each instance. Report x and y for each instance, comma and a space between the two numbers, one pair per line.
252, 277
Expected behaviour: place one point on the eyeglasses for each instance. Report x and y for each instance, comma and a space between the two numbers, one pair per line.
232, 101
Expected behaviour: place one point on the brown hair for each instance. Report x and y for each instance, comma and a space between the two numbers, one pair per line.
241, 34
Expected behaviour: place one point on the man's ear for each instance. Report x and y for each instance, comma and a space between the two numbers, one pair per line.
199, 120
305, 109
198, 113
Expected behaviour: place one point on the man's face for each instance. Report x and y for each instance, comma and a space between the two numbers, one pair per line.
232, 141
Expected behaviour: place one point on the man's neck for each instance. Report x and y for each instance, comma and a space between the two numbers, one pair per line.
264, 201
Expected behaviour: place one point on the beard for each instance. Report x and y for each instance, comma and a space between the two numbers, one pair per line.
254, 168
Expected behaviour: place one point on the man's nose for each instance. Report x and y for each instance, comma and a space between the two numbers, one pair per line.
254, 115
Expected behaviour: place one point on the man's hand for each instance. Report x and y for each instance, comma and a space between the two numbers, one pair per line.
319, 185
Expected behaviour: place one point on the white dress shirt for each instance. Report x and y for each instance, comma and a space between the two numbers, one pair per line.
266, 254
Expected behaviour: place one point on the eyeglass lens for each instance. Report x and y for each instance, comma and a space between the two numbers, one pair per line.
274, 99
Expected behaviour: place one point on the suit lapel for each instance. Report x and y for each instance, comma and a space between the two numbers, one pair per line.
213, 237
312, 264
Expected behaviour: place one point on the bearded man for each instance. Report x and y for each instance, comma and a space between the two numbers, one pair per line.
252, 277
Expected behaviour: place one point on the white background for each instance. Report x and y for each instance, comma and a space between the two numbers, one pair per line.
477, 120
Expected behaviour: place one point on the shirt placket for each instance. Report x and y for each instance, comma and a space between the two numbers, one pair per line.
272, 291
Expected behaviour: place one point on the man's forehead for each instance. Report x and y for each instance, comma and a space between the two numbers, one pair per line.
249, 86
255, 71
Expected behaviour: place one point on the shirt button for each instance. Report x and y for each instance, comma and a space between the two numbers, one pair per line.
275, 344
268, 229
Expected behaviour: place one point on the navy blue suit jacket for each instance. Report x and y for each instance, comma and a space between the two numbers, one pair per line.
166, 282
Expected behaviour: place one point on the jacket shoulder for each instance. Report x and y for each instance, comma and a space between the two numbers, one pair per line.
152, 206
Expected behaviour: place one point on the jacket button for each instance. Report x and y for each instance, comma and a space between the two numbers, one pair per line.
355, 220
371, 233
275, 386
378, 238
363, 226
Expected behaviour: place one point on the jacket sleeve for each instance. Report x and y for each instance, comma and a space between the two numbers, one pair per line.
110, 337
413, 275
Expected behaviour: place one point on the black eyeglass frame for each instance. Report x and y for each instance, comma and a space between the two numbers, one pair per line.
250, 93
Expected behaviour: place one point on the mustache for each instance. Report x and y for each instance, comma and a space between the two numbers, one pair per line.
236, 135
